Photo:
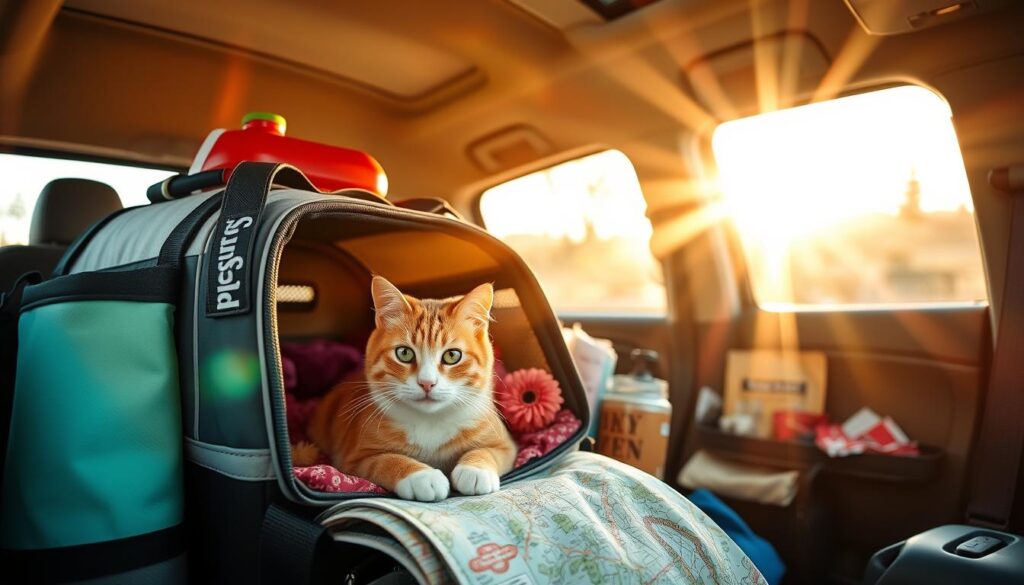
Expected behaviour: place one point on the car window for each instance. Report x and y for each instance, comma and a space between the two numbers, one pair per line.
25, 176
861, 200
582, 227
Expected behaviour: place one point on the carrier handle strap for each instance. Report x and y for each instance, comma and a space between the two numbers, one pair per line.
288, 548
230, 256
172, 253
184, 184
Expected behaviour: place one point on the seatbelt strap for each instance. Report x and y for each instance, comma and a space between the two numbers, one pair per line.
997, 453
289, 544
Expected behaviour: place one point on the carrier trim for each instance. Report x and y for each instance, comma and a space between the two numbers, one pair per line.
241, 464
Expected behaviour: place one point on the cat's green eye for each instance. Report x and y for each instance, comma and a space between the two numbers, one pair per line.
451, 356
405, 354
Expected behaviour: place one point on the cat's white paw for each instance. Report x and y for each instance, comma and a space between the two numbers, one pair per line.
474, 481
427, 485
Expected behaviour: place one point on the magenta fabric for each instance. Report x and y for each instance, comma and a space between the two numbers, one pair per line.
325, 478
542, 442
317, 365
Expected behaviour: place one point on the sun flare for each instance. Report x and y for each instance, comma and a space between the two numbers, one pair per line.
792, 177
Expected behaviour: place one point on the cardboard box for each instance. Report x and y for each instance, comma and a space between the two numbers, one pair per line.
761, 382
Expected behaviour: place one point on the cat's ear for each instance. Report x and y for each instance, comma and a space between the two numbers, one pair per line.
389, 304
476, 305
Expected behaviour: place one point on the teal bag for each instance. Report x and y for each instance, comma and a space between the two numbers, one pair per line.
93, 478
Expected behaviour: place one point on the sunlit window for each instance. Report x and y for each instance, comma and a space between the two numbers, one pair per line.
858, 200
582, 228
23, 178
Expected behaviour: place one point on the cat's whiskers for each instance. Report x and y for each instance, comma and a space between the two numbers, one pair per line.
357, 406
383, 401
384, 410
354, 409
479, 408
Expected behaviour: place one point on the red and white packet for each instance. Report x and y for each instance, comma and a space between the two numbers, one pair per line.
864, 431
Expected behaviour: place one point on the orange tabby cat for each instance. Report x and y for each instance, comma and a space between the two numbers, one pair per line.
422, 410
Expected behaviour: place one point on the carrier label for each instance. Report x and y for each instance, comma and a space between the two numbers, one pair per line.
227, 285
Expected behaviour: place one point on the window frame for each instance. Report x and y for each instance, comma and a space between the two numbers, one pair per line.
528, 169
85, 155
554, 160
738, 257
18, 148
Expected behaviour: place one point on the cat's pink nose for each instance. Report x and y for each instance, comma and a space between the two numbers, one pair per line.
427, 386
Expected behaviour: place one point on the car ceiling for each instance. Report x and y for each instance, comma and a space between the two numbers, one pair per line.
450, 96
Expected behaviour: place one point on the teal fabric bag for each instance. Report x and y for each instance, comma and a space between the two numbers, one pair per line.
93, 478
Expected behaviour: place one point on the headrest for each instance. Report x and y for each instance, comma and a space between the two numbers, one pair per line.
67, 207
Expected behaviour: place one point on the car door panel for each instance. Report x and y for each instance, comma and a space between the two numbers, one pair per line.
924, 367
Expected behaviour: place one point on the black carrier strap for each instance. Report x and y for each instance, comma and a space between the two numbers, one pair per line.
83, 562
173, 250
998, 451
289, 545
231, 253
10, 309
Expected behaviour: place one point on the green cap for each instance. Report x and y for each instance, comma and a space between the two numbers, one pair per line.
275, 118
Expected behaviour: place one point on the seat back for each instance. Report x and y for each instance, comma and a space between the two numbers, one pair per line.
65, 209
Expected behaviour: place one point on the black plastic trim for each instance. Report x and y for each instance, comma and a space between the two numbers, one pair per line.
616, 8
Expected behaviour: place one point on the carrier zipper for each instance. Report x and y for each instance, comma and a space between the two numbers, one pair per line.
295, 490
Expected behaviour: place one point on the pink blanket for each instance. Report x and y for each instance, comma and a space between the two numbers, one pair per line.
312, 368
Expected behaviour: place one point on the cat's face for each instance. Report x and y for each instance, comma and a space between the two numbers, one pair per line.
429, 355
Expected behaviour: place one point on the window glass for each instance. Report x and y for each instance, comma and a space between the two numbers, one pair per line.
582, 228
25, 176
858, 200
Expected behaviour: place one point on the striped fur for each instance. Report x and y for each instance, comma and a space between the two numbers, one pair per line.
408, 427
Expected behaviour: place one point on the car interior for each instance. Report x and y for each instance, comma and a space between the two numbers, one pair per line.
732, 234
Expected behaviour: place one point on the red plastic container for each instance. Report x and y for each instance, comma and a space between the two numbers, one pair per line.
262, 139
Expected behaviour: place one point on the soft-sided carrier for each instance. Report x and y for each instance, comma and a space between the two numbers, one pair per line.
242, 498
93, 477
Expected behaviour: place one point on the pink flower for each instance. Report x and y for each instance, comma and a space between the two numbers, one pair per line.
529, 400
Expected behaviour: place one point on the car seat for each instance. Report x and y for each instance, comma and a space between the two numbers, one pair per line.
65, 209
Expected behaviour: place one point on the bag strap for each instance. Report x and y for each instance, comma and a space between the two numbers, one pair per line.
230, 257
173, 250
997, 453
183, 185
10, 308
289, 545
